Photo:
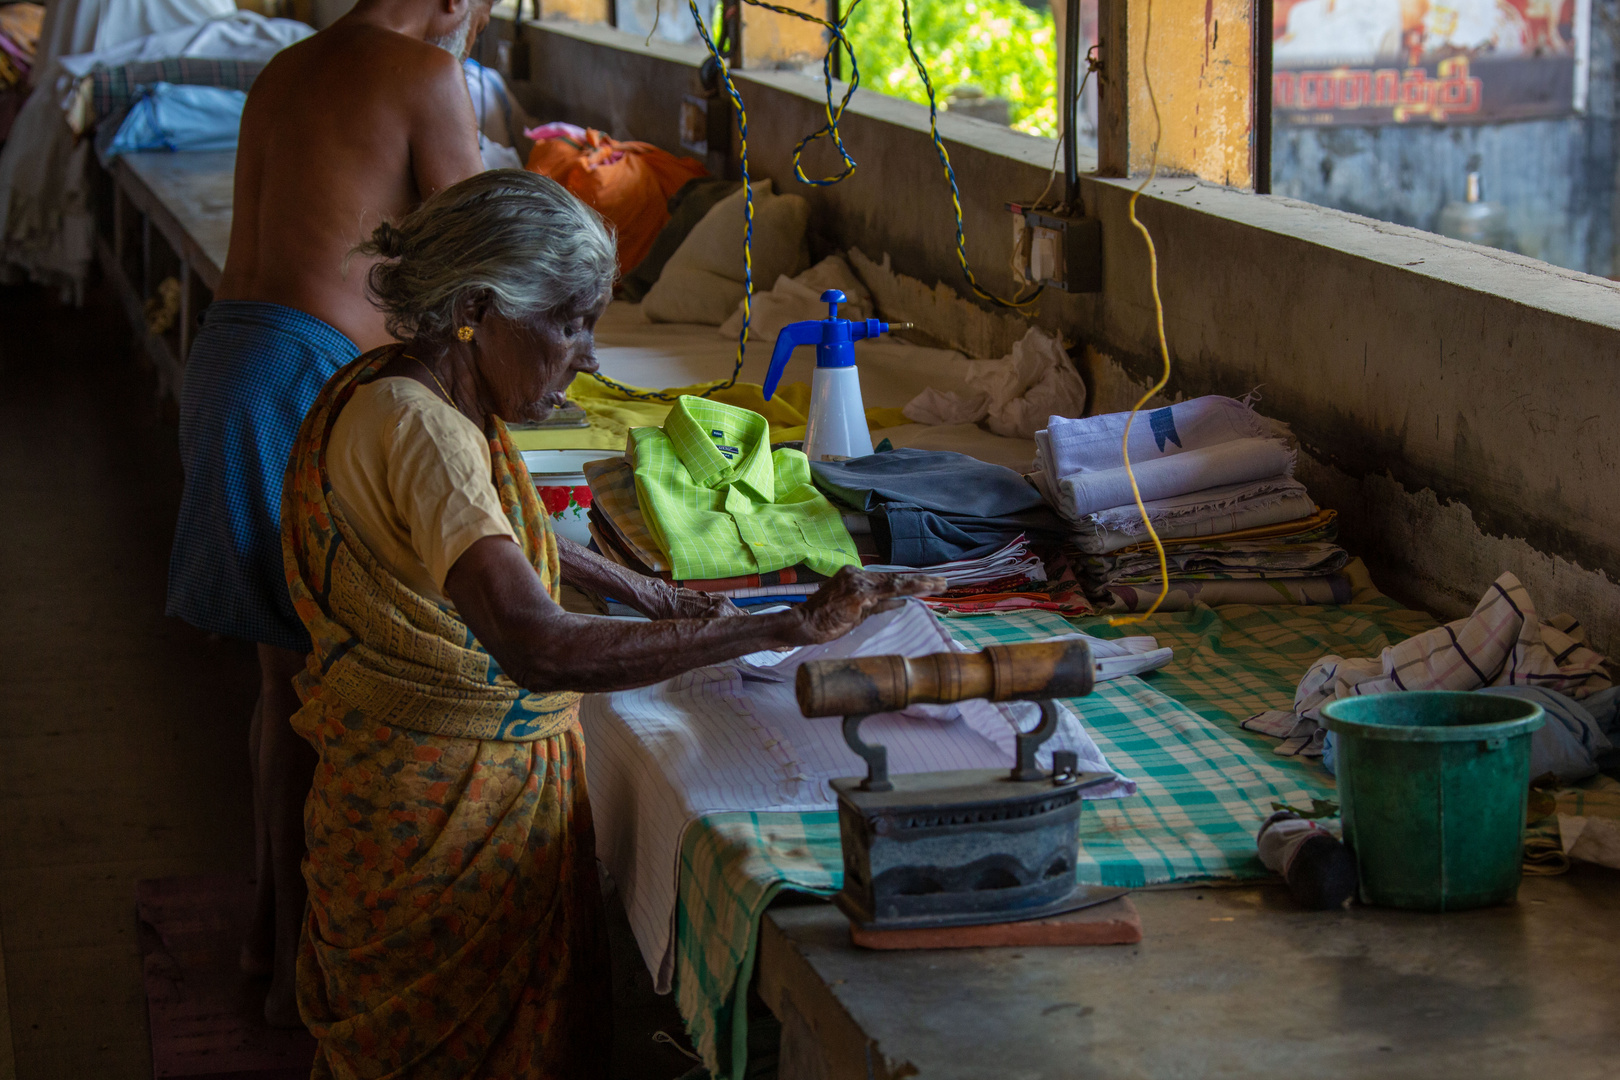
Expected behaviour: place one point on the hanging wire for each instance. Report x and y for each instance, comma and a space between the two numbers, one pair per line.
1093, 65
835, 113
950, 177
1164, 347
829, 130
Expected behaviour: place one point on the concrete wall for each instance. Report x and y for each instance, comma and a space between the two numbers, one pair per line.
1455, 403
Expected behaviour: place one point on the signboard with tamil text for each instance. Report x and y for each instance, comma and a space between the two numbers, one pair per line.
1368, 62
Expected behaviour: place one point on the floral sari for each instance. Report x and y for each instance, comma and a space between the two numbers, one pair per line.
454, 925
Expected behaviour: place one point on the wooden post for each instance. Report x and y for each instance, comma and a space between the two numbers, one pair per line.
1113, 88
579, 11
769, 40
1200, 56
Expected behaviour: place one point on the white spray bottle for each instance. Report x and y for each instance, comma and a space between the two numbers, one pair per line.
837, 426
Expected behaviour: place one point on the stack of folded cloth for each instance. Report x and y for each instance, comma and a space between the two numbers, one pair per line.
621, 535
1216, 479
20, 26
980, 526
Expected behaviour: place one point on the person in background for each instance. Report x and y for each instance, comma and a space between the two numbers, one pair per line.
455, 925
346, 129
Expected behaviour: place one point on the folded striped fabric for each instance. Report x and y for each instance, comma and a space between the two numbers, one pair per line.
1222, 563
613, 491
1322, 525
1233, 508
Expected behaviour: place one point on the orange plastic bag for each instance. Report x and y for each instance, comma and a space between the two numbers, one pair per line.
629, 183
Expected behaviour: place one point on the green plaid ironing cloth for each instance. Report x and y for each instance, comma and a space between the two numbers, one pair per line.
1203, 788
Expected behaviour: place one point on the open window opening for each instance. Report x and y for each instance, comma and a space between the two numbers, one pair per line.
991, 59
1484, 120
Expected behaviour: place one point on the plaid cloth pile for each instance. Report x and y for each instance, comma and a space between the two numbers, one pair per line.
1204, 786
107, 90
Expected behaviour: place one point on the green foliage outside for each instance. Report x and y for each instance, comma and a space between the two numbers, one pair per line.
1000, 46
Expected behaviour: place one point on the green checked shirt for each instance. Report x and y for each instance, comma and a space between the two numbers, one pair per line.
721, 504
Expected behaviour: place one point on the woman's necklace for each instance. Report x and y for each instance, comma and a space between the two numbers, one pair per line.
436, 382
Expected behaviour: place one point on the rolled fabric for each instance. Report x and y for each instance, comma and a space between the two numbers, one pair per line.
1240, 461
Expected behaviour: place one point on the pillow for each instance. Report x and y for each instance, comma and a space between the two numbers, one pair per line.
703, 280
799, 300
687, 207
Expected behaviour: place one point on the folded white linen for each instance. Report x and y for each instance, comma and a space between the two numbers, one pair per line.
1092, 444
1240, 461
1118, 657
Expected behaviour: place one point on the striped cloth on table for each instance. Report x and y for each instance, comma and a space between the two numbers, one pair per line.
1202, 793
1503, 642
613, 492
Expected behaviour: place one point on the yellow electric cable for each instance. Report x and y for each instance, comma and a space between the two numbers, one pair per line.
1164, 346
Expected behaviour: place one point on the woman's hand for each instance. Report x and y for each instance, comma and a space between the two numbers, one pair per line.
844, 603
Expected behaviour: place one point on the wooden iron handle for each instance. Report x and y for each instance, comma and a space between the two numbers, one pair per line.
870, 684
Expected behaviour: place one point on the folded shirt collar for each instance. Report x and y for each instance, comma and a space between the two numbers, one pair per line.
722, 444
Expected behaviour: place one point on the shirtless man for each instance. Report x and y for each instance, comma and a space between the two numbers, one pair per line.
346, 129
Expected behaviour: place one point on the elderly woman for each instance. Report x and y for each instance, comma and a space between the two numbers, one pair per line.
454, 922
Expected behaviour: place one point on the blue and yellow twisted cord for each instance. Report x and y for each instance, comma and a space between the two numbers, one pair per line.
835, 114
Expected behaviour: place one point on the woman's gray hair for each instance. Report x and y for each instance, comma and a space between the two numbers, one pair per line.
520, 239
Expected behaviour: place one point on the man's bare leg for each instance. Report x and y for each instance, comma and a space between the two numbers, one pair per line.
286, 769
258, 951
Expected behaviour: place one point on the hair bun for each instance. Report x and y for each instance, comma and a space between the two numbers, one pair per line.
388, 241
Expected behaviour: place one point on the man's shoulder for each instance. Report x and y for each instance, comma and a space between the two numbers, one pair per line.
367, 54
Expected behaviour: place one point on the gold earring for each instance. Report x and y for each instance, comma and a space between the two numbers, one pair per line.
465, 333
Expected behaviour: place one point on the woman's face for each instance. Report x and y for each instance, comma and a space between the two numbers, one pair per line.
527, 366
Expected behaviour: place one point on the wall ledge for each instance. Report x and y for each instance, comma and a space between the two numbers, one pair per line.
959, 130
1514, 278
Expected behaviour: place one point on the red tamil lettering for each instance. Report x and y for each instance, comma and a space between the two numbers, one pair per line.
1355, 89
1282, 89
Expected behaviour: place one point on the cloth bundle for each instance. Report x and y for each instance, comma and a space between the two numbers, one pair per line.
167, 116
1216, 480
47, 196
20, 25
1501, 647
628, 183
980, 526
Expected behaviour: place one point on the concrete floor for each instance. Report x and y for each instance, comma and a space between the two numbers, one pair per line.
123, 734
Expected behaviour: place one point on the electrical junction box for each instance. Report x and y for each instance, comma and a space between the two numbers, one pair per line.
1055, 249
705, 130
705, 124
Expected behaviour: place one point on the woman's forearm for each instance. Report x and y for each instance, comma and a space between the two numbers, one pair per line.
593, 654
585, 569
543, 648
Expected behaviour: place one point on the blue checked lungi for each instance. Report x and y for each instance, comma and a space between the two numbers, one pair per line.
253, 372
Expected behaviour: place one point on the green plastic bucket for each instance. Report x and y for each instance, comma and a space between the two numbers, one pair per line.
1432, 789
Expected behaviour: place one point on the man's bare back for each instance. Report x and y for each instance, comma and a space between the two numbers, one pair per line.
346, 129
342, 131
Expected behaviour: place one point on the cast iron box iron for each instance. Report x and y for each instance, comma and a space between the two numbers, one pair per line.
964, 847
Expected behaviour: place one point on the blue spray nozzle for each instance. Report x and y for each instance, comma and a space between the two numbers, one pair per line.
834, 339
